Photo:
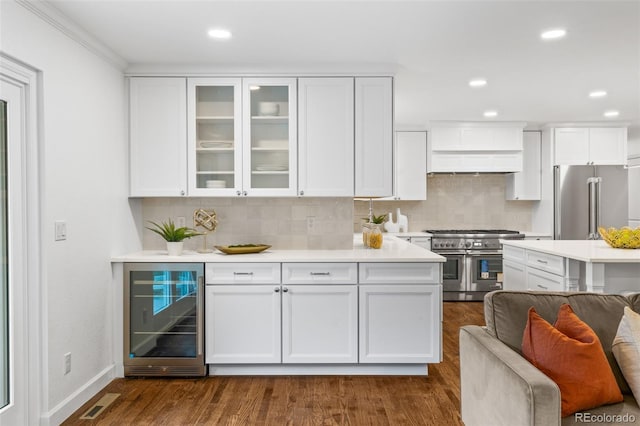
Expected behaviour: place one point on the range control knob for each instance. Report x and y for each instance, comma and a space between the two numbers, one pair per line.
467, 244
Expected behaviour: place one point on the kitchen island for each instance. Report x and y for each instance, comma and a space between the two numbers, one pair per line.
356, 311
570, 265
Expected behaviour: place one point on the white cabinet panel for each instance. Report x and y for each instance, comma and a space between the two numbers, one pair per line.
572, 146
326, 138
400, 323
373, 136
445, 138
242, 324
411, 166
401, 273
320, 324
525, 185
514, 275
634, 193
548, 262
319, 273
544, 281
157, 137
608, 145
242, 273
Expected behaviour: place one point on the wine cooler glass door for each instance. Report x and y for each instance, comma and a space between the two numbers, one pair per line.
164, 318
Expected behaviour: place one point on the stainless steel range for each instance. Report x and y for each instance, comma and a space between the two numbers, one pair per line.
474, 261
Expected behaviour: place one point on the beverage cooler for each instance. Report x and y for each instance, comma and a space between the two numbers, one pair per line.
163, 319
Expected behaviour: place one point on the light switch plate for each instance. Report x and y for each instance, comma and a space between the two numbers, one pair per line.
60, 230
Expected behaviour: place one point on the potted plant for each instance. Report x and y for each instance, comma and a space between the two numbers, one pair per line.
174, 236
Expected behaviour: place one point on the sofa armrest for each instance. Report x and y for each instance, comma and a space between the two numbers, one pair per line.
500, 387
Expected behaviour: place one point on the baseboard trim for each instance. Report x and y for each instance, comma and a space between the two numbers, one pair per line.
71, 404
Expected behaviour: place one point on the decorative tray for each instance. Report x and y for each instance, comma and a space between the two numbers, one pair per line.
243, 248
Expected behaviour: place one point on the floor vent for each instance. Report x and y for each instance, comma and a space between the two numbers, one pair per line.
100, 406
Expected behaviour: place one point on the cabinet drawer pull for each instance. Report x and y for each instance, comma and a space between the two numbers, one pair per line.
320, 273
544, 262
543, 287
243, 273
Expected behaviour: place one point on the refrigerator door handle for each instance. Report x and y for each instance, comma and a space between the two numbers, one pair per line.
594, 207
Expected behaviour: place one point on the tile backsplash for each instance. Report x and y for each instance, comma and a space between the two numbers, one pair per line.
453, 201
457, 201
284, 223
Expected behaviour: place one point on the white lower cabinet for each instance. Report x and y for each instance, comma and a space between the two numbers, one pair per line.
320, 324
242, 324
400, 323
515, 275
318, 313
544, 281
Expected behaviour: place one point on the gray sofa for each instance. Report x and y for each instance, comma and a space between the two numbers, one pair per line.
500, 387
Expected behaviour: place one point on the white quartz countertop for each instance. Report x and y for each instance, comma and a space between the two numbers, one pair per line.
409, 234
582, 250
393, 250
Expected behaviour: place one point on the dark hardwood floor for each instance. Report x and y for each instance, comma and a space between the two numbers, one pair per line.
297, 400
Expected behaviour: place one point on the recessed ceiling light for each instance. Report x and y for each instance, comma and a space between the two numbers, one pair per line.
219, 33
490, 114
478, 82
553, 34
611, 113
597, 94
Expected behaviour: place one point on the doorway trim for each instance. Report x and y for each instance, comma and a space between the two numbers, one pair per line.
28, 79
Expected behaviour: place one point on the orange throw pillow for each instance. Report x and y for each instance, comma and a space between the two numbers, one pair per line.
570, 354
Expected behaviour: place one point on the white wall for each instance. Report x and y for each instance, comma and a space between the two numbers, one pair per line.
84, 182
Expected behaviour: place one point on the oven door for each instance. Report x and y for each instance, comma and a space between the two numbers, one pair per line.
453, 272
485, 271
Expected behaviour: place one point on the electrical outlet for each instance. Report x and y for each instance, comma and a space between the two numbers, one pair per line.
311, 223
181, 222
67, 363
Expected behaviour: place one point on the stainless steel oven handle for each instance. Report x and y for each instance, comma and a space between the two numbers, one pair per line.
449, 253
484, 252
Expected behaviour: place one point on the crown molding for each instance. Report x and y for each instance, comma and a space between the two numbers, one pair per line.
54, 17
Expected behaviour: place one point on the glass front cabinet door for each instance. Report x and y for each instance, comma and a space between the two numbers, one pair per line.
242, 137
215, 136
270, 136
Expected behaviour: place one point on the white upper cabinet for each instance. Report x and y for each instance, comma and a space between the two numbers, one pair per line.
215, 136
326, 137
525, 185
594, 145
373, 136
269, 136
157, 136
242, 137
411, 166
474, 147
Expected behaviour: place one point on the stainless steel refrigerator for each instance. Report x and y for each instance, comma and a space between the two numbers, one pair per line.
587, 197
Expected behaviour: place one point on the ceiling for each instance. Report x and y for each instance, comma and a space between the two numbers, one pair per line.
432, 47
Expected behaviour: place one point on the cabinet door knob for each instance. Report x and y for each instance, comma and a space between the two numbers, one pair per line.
182, 192
238, 193
301, 192
276, 289
244, 193
285, 290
